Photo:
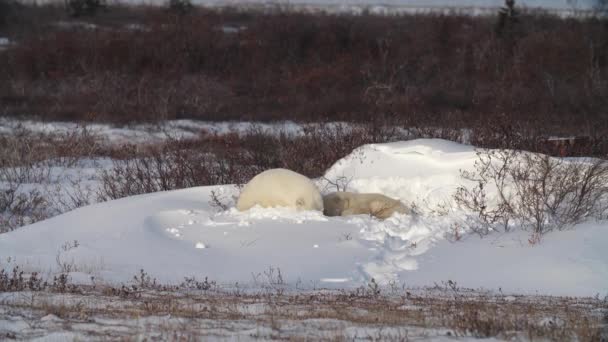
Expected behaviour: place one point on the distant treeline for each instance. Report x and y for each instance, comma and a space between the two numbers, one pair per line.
533, 73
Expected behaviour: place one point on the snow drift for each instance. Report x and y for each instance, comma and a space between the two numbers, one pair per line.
180, 233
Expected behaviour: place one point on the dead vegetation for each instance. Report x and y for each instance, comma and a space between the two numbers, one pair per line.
535, 192
39, 171
29, 159
394, 313
541, 74
234, 159
549, 192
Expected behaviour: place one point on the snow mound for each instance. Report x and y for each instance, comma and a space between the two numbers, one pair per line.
176, 234
420, 170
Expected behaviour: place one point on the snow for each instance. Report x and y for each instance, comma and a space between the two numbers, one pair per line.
562, 8
255, 325
151, 133
64, 182
75, 25
410, 3
566, 263
566, 4
5, 43
179, 233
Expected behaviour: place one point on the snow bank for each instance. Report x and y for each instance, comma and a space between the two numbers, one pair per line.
179, 233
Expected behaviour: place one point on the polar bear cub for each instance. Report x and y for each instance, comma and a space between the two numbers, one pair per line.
280, 188
343, 203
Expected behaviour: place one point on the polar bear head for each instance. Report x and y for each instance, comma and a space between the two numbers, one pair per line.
336, 203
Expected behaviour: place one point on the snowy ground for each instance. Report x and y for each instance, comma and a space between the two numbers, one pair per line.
281, 274
415, 315
142, 134
555, 4
413, 3
149, 133
180, 233
561, 8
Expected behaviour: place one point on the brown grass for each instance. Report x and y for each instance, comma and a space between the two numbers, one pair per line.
435, 311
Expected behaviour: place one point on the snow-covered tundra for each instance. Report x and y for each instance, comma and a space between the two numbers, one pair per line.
280, 188
344, 203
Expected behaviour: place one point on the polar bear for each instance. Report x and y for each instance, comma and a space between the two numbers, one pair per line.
343, 203
280, 188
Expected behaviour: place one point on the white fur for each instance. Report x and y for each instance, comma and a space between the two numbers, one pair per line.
280, 188
343, 203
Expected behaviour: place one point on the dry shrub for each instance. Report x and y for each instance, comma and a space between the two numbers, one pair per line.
19, 208
171, 165
233, 159
451, 71
16, 281
32, 190
27, 158
313, 152
26, 148
379, 312
536, 192
18, 168
147, 97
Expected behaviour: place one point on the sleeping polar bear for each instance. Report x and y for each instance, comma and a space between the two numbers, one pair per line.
280, 188
349, 203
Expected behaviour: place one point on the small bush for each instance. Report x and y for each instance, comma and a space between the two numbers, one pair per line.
534, 191
171, 165
27, 158
19, 208
16, 281
234, 159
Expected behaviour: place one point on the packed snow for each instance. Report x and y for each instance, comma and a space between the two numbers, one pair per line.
180, 233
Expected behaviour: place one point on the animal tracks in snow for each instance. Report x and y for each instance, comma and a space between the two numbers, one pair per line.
382, 249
